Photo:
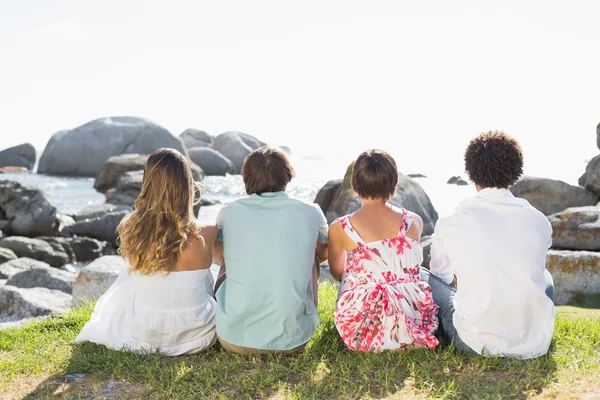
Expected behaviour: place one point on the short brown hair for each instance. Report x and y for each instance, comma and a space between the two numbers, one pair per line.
267, 169
494, 160
375, 175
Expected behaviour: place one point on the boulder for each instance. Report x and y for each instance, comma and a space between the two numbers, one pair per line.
326, 194
88, 249
12, 267
574, 272
231, 145
591, 178
196, 138
27, 210
35, 249
26, 303
43, 276
417, 176
127, 189
60, 245
286, 150
96, 278
457, 180
98, 210
83, 150
6, 255
250, 140
575, 228
211, 161
409, 195
551, 196
115, 167
22, 155
101, 228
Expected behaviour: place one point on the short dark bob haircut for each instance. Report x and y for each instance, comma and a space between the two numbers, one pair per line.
266, 170
494, 160
375, 175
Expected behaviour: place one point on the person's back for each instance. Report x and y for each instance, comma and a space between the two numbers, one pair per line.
164, 299
266, 302
375, 252
494, 247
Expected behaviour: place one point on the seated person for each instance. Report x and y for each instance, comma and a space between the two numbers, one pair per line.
488, 261
164, 300
375, 251
272, 247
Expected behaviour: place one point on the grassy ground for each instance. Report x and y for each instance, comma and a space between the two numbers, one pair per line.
41, 361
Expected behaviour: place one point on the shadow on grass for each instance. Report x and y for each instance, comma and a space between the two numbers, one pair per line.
325, 370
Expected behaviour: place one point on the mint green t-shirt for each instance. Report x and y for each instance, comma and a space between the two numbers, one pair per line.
269, 241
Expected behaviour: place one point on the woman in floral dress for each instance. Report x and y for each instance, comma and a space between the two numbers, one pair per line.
375, 252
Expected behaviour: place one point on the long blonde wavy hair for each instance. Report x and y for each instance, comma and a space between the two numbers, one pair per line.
162, 222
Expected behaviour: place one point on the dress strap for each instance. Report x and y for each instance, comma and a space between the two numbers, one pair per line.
407, 221
350, 231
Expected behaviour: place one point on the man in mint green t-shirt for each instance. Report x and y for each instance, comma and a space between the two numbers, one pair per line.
272, 247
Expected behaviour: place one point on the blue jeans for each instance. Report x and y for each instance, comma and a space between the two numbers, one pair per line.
443, 296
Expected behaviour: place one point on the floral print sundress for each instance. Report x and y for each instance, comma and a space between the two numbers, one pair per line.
383, 304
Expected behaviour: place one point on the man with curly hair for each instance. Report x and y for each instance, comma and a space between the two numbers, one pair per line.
488, 260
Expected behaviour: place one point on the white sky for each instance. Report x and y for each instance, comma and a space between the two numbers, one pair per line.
325, 77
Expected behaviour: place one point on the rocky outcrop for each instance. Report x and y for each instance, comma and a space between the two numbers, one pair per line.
591, 178
551, 196
127, 189
409, 195
26, 303
457, 180
211, 161
35, 249
574, 272
83, 150
43, 276
101, 228
12, 267
98, 210
96, 278
6, 255
115, 167
326, 194
576, 229
60, 245
195, 138
18, 156
231, 145
27, 211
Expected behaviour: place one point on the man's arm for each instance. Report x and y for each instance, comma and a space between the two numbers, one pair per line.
440, 265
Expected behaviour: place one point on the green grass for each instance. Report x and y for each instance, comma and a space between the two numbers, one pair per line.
41, 361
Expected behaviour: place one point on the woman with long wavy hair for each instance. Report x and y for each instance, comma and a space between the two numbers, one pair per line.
164, 300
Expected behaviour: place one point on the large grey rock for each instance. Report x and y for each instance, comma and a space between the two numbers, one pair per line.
551, 196
36, 249
250, 140
196, 138
25, 303
22, 155
409, 195
576, 228
231, 145
6, 255
60, 245
9, 268
101, 228
88, 249
27, 210
127, 189
115, 167
326, 194
211, 161
99, 210
457, 180
574, 272
591, 178
96, 278
83, 150
43, 276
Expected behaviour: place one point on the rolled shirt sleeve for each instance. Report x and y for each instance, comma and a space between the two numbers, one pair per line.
440, 264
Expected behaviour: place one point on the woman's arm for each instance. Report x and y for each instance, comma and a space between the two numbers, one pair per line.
337, 253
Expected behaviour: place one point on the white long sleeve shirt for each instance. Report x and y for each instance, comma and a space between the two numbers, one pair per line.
496, 245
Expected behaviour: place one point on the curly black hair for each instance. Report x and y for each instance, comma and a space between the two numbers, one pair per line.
494, 160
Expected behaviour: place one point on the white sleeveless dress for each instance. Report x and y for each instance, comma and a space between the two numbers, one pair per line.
173, 313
